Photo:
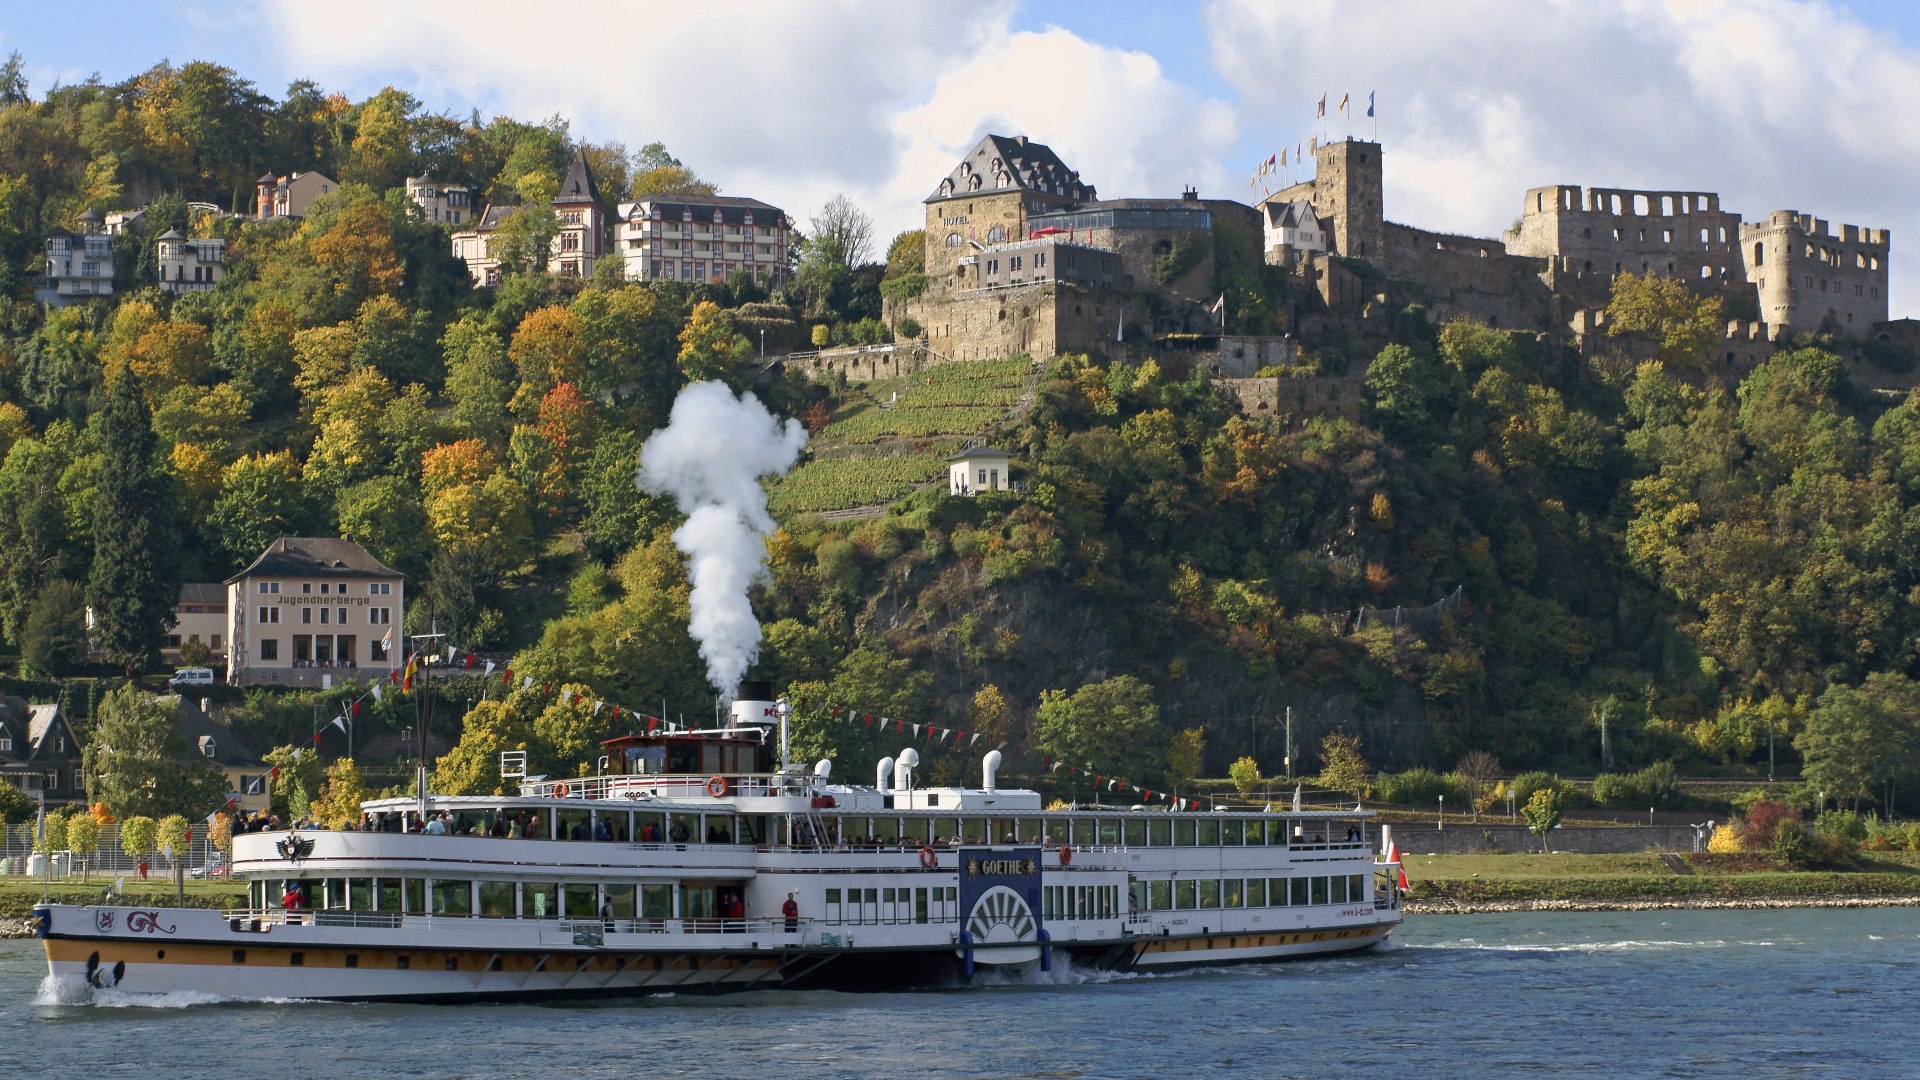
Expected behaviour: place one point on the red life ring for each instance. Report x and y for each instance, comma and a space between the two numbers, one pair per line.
928, 859
716, 786
560, 790
1066, 854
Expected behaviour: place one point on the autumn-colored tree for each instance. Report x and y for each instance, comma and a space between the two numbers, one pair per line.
472, 767
358, 254
1683, 324
710, 348
990, 714
464, 461
546, 349
337, 804
1245, 774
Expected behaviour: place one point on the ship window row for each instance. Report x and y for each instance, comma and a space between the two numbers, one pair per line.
898, 831
1079, 901
1188, 894
1170, 830
898, 905
648, 902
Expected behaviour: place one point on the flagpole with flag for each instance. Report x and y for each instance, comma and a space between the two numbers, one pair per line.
1370, 116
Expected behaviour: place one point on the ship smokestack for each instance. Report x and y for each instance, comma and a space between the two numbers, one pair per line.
989, 765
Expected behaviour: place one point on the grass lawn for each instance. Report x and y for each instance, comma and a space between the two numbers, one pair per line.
19, 894
1645, 877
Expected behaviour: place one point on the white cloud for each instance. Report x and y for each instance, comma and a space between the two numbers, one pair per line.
1776, 104
786, 101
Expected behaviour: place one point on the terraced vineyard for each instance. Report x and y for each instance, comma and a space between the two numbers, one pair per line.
894, 435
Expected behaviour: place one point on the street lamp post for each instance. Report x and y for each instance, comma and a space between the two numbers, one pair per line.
1443, 812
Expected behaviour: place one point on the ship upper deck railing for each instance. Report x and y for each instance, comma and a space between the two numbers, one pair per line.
264, 920
670, 786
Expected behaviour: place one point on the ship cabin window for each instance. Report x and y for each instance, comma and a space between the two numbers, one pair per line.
1209, 893
1257, 833
572, 825
1233, 892
650, 827
579, 901
1209, 832
1160, 832
656, 901
683, 828
1230, 832
1109, 831
416, 895
1319, 887
622, 898
1135, 831
386, 894
1297, 892
1183, 895
1183, 832
830, 908
973, 830
452, 897
496, 899
539, 900
1057, 830
1160, 895
1277, 892
886, 830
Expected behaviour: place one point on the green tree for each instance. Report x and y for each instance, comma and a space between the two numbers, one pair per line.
1342, 766
846, 227
1245, 773
83, 839
36, 545
136, 567
1860, 740
260, 500
297, 774
170, 836
1543, 812
1111, 726
137, 836
138, 763
1185, 752
54, 640
15, 807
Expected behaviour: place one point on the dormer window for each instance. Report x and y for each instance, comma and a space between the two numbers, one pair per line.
207, 746
973, 183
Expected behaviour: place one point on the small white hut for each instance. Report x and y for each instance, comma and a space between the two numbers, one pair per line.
977, 469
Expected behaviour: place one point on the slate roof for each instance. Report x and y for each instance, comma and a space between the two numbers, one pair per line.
201, 730
308, 556
1028, 165
733, 209
977, 452
203, 592
577, 185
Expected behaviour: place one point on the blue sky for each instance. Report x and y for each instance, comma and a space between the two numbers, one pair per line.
1776, 104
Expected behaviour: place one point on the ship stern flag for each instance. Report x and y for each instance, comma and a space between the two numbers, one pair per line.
1393, 859
1369, 103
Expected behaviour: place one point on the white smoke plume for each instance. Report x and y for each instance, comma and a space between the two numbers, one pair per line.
710, 458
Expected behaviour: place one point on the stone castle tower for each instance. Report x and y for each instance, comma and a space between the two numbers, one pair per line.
1807, 276
1348, 189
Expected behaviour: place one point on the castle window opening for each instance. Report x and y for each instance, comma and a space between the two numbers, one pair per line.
1640, 206
1706, 272
1586, 234
1703, 236
1723, 234
1759, 254
1856, 292
1876, 292
1589, 266
953, 239
1809, 281
1666, 205
1643, 236
1860, 260
1666, 236
1616, 236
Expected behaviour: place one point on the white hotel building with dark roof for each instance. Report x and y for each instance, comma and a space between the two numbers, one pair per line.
314, 611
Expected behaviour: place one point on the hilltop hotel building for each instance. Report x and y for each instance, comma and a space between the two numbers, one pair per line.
314, 612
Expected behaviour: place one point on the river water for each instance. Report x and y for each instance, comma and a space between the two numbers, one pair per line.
1781, 993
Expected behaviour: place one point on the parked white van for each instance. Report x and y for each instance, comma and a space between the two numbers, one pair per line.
192, 676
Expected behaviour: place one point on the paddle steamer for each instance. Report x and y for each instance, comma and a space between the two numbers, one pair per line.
703, 861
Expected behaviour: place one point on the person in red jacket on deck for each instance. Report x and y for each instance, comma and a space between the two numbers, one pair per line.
791, 909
